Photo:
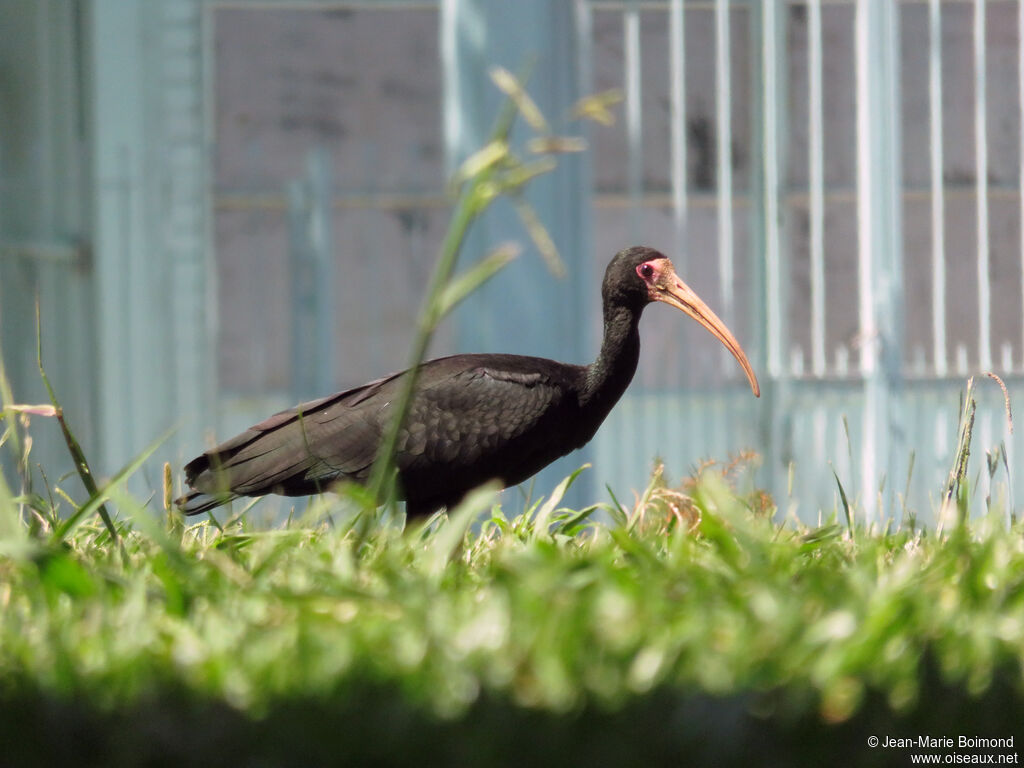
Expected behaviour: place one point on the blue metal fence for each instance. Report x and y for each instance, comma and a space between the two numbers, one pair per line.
841, 180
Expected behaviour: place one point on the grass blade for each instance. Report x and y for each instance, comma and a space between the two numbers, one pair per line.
96, 500
846, 504
447, 540
463, 285
77, 454
540, 522
617, 511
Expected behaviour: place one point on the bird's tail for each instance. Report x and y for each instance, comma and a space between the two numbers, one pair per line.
197, 502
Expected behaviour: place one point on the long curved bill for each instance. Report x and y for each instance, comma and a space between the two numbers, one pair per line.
672, 290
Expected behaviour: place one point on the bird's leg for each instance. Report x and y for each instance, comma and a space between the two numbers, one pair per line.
422, 508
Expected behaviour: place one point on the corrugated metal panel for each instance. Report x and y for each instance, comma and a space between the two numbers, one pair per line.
891, 408
43, 219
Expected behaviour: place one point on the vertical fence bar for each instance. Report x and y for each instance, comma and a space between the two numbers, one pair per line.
723, 131
1020, 173
584, 47
452, 97
768, 256
866, 237
981, 181
634, 168
865, 190
311, 264
879, 216
677, 101
677, 146
634, 124
939, 354
816, 180
770, 148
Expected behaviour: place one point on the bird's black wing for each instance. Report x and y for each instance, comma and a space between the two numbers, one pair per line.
285, 452
474, 417
474, 413
502, 417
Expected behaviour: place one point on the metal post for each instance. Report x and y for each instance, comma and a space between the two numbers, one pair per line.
879, 217
311, 259
816, 183
981, 190
767, 254
939, 353
723, 152
524, 309
677, 100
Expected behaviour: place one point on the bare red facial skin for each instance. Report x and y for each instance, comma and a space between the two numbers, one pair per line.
653, 273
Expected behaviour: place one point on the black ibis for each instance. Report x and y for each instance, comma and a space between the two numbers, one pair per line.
474, 418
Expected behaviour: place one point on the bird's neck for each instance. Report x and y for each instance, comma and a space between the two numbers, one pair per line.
609, 375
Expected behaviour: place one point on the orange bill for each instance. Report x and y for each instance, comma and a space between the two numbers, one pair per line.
672, 290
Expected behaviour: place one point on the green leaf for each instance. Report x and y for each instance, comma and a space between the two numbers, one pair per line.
510, 85
472, 278
540, 522
541, 239
598, 106
60, 572
573, 523
96, 501
846, 504
447, 540
617, 511
482, 160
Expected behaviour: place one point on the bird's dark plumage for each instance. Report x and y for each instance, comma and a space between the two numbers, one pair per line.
473, 418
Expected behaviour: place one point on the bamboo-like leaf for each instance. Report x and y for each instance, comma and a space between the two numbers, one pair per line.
521, 174
481, 160
510, 85
472, 278
597, 107
484, 193
547, 145
541, 239
474, 195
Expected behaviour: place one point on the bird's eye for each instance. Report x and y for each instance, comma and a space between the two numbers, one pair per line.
645, 270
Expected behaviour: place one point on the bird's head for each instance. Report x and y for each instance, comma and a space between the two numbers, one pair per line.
638, 275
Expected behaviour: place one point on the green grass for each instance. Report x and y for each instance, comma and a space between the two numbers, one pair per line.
693, 602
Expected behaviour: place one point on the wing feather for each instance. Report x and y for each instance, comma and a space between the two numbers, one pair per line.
473, 417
